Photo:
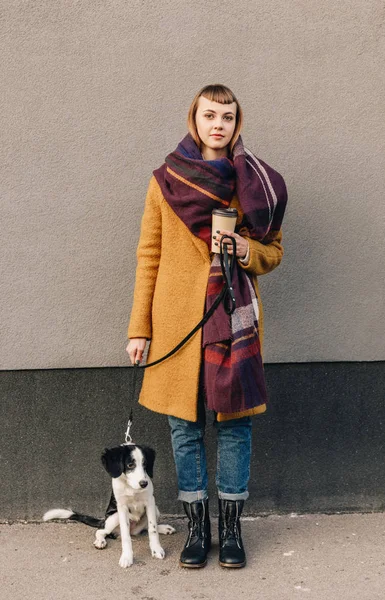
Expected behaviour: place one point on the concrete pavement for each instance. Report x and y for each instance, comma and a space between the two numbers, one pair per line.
320, 557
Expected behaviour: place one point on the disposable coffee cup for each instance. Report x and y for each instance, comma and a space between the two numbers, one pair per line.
222, 219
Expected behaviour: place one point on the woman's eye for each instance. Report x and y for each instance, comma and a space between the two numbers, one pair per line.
229, 118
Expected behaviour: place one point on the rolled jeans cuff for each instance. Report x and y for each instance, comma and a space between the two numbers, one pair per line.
241, 496
192, 496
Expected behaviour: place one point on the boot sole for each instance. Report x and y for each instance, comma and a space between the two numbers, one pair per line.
232, 566
187, 566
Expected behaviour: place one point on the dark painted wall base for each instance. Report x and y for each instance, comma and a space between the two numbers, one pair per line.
319, 447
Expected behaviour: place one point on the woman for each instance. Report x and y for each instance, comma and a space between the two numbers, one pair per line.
177, 279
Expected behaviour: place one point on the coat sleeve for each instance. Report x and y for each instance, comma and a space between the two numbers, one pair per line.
148, 257
264, 257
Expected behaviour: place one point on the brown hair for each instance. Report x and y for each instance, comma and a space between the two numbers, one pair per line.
215, 93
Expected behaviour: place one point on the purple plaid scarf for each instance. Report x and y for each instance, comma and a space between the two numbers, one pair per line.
233, 371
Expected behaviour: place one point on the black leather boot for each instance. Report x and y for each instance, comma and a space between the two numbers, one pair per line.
231, 551
198, 543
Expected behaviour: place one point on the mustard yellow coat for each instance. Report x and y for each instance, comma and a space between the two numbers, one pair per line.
169, 299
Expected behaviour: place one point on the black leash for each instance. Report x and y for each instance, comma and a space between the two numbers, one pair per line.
226, 296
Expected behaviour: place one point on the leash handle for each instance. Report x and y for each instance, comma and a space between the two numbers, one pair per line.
227, 272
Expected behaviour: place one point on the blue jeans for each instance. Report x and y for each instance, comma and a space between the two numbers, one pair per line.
233, 457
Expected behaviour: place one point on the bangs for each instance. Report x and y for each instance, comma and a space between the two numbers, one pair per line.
218, 93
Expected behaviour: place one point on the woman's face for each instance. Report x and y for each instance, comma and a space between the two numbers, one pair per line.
215, 123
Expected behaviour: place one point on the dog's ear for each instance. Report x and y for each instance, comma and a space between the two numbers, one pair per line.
149, 457
112, 459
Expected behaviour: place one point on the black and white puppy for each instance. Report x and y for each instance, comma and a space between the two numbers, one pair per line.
132, 505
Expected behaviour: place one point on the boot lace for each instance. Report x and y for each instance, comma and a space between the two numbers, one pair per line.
230, 530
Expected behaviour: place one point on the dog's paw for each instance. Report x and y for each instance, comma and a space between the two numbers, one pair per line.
157, 552
126, 561
100, 544
166, 529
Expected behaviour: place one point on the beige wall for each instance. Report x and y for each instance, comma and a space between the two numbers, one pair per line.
95, 94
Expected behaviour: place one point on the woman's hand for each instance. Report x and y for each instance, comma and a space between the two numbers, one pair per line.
242, 243
135, 349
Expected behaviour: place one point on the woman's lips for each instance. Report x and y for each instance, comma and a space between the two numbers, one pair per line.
217, 135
